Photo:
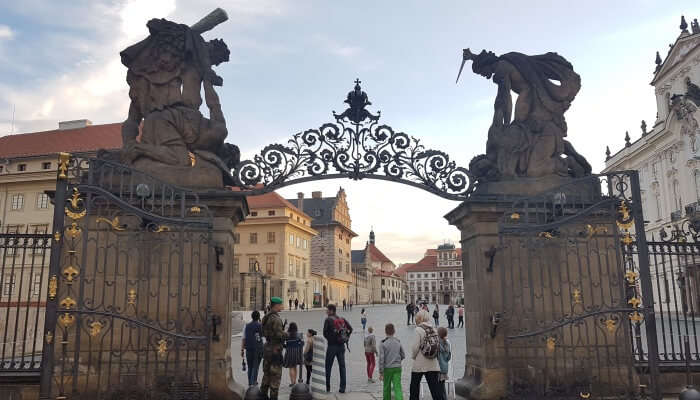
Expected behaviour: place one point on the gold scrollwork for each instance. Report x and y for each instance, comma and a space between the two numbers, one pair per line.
585, 395
95, 328
545, 235
70, 272
57, 236
577, 296
53, 287
636, 317
73, 230
162, 347
75, 203
195, 210
67, 303
590, 230
631, 277
63, 161
131, 297
634, 302
66, 320
627, 239
515, 216
193, 158
75, 215
48, 337
551, 343
114, 223
161, 228
610, 325
625, 221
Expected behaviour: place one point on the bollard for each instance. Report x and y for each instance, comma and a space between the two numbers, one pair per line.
254, 393
318, 369
689, 393
300, 391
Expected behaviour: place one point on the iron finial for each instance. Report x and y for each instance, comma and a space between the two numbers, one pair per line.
607, 153
684, 25
627, 139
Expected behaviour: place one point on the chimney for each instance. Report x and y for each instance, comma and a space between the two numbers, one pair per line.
75, 124
300, 201
316, 195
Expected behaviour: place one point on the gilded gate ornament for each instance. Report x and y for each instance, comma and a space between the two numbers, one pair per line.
162, 347
631, 277
66, 320
63, 161
627, 239
551, 343
195, 210
53, 287
57, 236
634, 302
70, 272
73, 230
131, 297
49, 337
610, 325
636, 317
625, 221
67, 303
114, 223
577, 296
95, 328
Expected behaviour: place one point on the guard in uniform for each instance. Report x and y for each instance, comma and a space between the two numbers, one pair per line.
273, 331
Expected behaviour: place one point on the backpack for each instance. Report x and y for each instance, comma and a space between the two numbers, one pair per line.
341, 330
430, 345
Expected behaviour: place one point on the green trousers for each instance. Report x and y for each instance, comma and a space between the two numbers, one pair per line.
392, 377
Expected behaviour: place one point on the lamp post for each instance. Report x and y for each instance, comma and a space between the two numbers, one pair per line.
256, 267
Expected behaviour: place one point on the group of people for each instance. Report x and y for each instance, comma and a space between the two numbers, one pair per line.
412, 310
297, 305
285, 347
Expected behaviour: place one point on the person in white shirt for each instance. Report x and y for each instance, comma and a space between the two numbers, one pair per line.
422, 365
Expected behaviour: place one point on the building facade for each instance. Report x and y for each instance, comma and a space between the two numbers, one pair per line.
667, 156
273, 253
331, 247
375, 278
437, 277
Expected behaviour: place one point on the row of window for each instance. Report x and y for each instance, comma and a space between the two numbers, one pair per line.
17, 201
23, 167
9, 282
272, 213
448, 274
392, 283
297, 267
340, 266
271, 238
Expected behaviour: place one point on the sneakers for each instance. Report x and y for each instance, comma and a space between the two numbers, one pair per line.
370, 380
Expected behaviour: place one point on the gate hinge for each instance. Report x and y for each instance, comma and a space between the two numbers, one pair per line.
215, 321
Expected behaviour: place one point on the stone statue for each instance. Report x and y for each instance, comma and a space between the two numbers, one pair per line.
528, 140
165, 133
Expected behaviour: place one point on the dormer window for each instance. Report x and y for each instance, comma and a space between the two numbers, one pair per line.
22, 167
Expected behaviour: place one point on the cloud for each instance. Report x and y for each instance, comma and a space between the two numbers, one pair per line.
6, 32
336, 48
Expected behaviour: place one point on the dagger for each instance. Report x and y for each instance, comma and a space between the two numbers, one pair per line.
466, 55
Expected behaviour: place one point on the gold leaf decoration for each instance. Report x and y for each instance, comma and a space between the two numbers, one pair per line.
53, 287
67, 303
585, 395
636, 317
74, 230
634, 302
75, 215
66, 320
577, 296
551, 343
49, 337
114, 223
545, 235
193, 159
63, 161
70, 272
610, 325
515, 216
162, 228
631, 277
75, 199
627, 239
195, 210
95, 328
162, 347
57, 236
131, 297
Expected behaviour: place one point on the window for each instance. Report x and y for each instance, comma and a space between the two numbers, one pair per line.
340, 252
676, 192
306, 273
22, 167
251, 264
340, 266
306, 244
253, 295
36, 284
42, 201
17, 202
291, 267
270, 237
270, 264
236, 238
253, 238
297, 272
298, 219
39, 245
236, 262
340, 236
254, 214
318, 212
271, 213
8, 284
298, 241
46, 165
383, 282
347, 267
291, 239
658, 205
2, 168
383, 295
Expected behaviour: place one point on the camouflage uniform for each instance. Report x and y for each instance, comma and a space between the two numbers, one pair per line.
273, 330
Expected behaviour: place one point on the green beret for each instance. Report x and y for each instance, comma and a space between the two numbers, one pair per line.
275, 300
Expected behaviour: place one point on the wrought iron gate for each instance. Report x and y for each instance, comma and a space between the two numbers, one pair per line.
573, 304
128, 311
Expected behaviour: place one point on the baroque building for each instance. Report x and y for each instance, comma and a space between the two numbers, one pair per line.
667, 156
273, 253
375, 277
330, 249
437, 277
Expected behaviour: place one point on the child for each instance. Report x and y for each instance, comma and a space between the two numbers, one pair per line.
444, 356
391, 355
309, 354
370, 352
363, 319
292, 355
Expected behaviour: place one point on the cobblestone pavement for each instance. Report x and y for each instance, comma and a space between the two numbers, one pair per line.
378, 316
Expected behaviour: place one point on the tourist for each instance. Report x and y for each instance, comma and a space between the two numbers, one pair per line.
252, 344
345, 305
337, 331
410, 310
296, 304
363, 319
350, 305
293, 358
424, 353
460, 312
436, 316
450, 314
444, 356
290, 303
390, 358
309, 353
273, 331
370, 353
303, 306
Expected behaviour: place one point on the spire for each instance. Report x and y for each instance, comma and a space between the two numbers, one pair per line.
371, 236
658, 62
683, 25
627, 139
607, 153
644, 128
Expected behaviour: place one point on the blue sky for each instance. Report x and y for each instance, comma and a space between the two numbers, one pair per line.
292, 63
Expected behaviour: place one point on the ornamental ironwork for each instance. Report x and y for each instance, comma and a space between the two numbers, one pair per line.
355, 146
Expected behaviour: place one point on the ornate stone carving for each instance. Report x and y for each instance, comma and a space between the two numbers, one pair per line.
165, 134
529, 143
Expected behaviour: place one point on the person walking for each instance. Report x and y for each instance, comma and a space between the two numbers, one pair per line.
410, 309
293, 357
450, 314
424, 353
370, 354
337, 331
296, 304
391, 355
436, 316
290, 303
363, 319
460, 314
252, 347
273, 331
309, 354
444, 357
345, 305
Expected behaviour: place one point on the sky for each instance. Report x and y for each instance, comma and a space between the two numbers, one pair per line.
293, 62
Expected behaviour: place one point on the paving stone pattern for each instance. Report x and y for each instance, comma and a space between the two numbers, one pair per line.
379, 315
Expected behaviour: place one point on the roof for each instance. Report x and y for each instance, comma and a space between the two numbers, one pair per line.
386, 274
325, 206
357, 256
270, 200
79, 140
376, 254
401, 271
676, 54
431, 252
427, 263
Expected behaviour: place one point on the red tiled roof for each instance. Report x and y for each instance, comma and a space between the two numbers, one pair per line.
89, 138
271, 200
401, 271
426, 263
431, 252
376, 254
388, 274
